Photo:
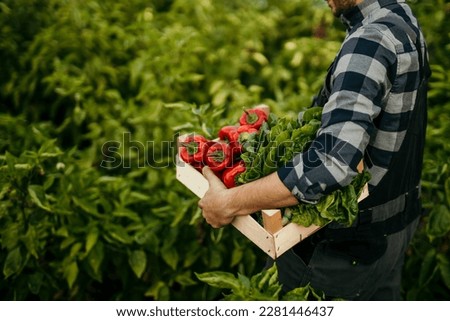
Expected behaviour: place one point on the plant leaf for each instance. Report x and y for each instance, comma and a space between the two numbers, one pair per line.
13, 262
444, 268
71, 273
138, 261
37, 195
428, 268
91, 239
439, 222
170, 256
95, 258
220, 279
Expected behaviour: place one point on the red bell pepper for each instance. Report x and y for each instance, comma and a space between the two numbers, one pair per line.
229, 176
243, 135
228, 133
219, 156
232, 134
193, 149
246, 129
254, 117
236, 149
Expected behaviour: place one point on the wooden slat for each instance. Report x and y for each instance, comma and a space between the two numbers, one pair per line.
365, 191
255, 233
191, 178
290, 235
360, 166
272, 220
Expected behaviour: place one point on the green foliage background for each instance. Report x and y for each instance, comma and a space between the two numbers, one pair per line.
92, 97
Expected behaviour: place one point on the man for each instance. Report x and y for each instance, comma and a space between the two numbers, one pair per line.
374, 100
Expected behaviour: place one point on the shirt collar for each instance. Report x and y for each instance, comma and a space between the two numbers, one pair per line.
357, 14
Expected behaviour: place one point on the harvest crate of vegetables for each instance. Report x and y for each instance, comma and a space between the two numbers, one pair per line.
256, 147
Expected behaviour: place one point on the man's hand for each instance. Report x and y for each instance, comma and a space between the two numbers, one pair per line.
221, 205
216, 204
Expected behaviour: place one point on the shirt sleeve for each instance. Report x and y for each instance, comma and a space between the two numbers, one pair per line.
360, 82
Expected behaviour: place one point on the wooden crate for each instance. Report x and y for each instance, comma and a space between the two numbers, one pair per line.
273, 238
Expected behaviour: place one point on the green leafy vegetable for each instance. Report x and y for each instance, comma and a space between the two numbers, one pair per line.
280, 140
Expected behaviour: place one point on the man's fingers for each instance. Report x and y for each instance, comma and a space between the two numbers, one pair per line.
212, 177
214, 203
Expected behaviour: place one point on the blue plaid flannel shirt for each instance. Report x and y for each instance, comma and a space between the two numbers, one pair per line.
371, 89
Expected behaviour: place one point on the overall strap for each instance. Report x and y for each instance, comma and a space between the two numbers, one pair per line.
389, 209
406, 165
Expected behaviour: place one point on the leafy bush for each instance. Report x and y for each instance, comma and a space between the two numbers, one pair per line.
93, 95
427, 268
263, 286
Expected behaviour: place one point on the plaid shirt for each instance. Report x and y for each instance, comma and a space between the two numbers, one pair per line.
370, 91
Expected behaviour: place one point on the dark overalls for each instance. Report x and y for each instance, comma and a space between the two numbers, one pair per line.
364, 262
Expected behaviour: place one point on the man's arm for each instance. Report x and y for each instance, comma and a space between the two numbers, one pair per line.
221, 205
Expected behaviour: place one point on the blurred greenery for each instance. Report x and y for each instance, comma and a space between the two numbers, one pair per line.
92, 97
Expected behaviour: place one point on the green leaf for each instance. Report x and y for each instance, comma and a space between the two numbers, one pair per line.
35, 282
170, 256
138, 261
124, 212
318, 294
237, 255
244, 280
13, 262
75, 249
135, 197
149, 238
62, 231
67, 242
444, 268
439, 222
85, 206
48, 182
220, 279
31, 241
428, 268
185, 279
10, 161
447, 191
71, 273
91, 239
180, 215
305, 293
37, 195
10, 236
118, 233
297, 294
95, 258
159, 291
192, 255
216, 235
215, 259
179, 105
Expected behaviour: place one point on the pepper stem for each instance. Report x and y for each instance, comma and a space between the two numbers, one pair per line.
251, 118
217, 156
191, 147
